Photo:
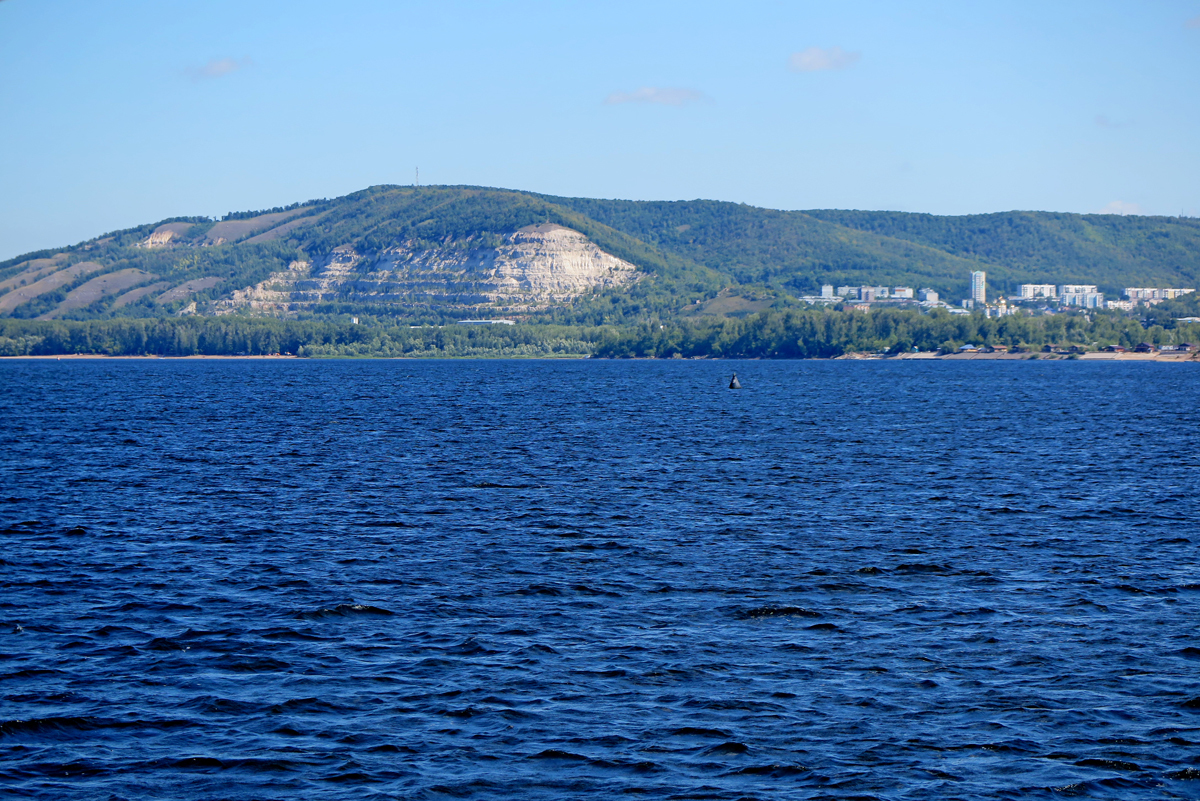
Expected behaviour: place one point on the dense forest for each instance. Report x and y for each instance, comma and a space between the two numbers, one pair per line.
231, 336
828, 334
788, 334
1111, 250
800, 250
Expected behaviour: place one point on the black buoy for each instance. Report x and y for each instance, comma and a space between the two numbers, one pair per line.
734, 384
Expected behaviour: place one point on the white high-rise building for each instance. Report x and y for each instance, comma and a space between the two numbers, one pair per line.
979, 287
1155, 294
1034, 291
928, 296
1086, 295
1089, 300
827, 291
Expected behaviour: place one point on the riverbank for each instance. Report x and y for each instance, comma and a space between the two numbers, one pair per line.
791, 335
928, 356
61, 356
1157, 356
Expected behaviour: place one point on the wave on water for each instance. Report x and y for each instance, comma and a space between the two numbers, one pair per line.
343, 610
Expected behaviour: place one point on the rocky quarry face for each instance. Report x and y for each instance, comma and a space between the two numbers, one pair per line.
534, 268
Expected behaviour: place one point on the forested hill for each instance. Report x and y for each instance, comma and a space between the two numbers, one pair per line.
1051, 247
329, 254
803, 249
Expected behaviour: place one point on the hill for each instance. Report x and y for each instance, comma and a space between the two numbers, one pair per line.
433, 254
802, 249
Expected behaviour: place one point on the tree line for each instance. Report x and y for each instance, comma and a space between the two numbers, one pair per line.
241, 336
791, 334
806, 334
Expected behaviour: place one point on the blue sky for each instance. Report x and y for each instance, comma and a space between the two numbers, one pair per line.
123, 112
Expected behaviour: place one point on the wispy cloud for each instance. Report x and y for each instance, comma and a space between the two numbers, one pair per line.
1102, 121
1121, 207
1194, 22
664, 95
816, 59
217, 68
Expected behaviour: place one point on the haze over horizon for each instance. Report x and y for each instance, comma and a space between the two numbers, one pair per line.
131, 112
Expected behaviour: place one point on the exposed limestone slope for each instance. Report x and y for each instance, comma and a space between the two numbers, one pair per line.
134, 295
234, 230
48, 284
273, 296
91, 291
532, 269
32, 270
187, 288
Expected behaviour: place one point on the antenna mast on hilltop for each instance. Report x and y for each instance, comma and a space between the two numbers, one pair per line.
417, 182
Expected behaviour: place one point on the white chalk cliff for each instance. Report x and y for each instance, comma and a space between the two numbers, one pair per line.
531, 269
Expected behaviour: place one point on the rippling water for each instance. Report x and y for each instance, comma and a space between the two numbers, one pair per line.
556, 580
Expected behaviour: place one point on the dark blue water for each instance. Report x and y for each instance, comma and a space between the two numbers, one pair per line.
556, 580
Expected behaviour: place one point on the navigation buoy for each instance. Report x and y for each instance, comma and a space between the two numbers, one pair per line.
735, 384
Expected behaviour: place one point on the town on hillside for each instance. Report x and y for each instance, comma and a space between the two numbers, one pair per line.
1032, 298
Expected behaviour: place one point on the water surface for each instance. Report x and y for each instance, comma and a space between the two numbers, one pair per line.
544, 580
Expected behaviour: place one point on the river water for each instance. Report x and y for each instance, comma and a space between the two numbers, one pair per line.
547, 580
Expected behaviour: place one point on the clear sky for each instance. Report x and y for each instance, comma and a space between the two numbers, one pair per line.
120, 112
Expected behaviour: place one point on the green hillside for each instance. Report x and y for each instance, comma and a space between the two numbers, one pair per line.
1046, 247
803, 249
684, 251
787, 250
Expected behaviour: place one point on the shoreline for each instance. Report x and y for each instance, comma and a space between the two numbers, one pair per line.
1097, 356
922, 357
61, 356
